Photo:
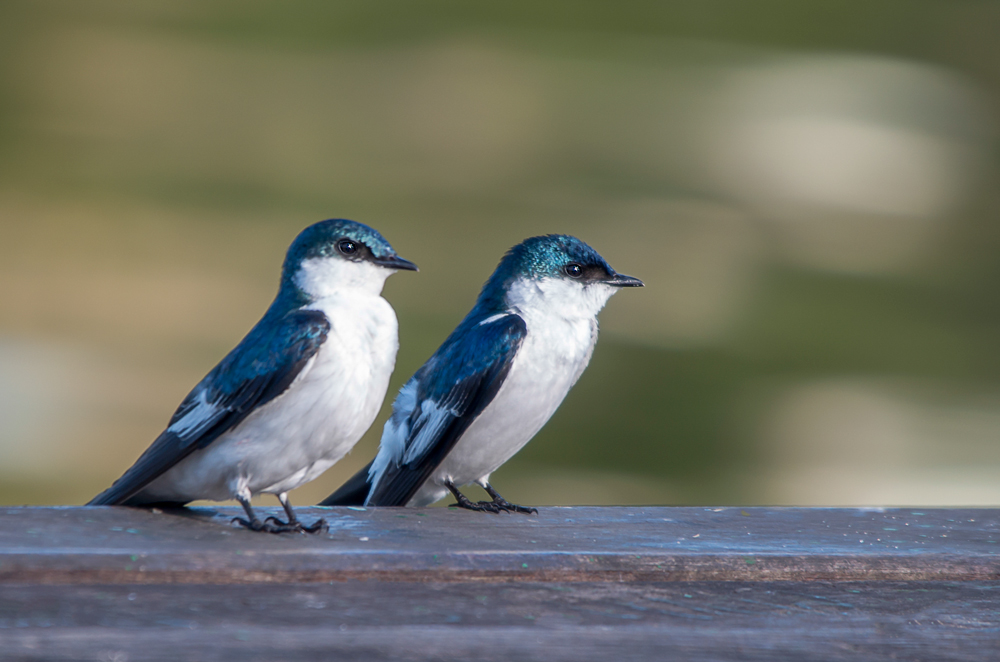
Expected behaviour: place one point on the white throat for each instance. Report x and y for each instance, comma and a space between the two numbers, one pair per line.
323, 277
558, 297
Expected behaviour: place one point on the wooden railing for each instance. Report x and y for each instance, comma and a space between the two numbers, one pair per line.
567, 584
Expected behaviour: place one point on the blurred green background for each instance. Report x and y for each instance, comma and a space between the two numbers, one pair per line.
809, 191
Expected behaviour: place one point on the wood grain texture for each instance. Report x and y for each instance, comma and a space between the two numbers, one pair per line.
364, 620
126, 545
580, 584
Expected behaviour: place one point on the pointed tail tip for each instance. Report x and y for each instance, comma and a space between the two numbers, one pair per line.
99, 500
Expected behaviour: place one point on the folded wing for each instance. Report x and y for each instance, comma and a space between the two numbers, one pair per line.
258, 370
439, 403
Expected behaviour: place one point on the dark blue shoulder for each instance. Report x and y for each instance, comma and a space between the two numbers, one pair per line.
275, 344
475, 347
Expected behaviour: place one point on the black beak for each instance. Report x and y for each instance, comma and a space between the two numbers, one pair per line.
621, 280
395, 262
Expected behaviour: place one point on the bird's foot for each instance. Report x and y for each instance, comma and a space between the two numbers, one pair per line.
274, 525
479, 506
253, 524
506, 506
464, 502
496, 506
297, 526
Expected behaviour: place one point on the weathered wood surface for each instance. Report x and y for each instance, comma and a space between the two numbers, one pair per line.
359, 620
125, 545
569, 584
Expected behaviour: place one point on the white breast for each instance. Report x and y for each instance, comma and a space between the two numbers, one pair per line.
553, 355
298, 435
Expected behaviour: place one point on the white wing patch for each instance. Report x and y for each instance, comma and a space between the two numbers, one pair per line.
432, 419
394, 434
196, 419
492, 318
392, 449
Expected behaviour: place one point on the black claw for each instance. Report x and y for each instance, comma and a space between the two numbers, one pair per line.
514, 508
293, 521
507, 506
497, 505
493, 507
275, 525
317, 526
487, 506
253, 525
481, 506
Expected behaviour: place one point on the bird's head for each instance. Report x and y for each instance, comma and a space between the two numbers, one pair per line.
339, 254
559, 273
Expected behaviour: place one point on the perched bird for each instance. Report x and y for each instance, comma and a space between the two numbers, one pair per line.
294, 396
495, 381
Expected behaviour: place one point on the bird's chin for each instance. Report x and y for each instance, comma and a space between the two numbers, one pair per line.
589, 300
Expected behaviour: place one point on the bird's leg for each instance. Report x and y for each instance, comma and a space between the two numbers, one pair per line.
283, 498
252, 522
293, 523
503, 504
463, 501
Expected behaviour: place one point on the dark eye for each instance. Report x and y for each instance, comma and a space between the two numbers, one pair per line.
347, 247
573, 270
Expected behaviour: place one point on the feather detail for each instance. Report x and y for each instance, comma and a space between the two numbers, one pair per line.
439, 403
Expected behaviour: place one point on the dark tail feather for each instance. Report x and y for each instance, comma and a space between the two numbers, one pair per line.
109, 497
353, 492
119, 494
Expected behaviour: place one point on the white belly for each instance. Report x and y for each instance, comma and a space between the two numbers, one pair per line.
300, 434
551, 359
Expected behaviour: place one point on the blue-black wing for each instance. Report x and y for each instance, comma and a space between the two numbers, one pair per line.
353, 492
441, 400
259, 369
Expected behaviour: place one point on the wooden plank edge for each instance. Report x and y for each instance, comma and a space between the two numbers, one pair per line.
150, 569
